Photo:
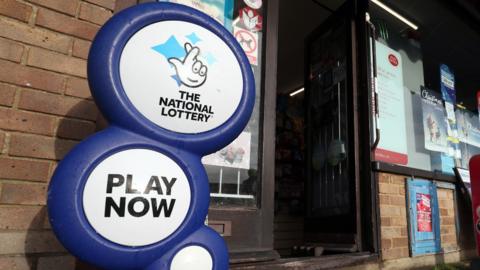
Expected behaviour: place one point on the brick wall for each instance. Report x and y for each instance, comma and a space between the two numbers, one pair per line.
448, 229
393, 217
45, 109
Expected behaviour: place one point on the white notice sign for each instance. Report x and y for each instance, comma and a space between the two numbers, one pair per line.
136, 197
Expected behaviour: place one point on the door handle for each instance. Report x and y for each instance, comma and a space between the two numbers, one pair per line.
373, 81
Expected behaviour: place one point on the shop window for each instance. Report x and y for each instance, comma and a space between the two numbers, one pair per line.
423, 217
234, 171
427, 82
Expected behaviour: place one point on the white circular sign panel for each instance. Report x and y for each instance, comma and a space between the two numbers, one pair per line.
136, 197
192, 257
181, 76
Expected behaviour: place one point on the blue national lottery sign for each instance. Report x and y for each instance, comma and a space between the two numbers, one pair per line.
174, 86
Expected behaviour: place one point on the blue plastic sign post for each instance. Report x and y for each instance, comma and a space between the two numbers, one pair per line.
174, 86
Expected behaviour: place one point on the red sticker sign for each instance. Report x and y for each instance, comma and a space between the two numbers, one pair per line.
249, 42
393, 60
424, 213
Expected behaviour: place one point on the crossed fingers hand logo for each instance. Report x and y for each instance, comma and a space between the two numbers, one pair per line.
191, 71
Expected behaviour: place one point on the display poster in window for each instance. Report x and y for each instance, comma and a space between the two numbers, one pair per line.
392, 147
424, 212
478, 104
434, 121
447, 87
464, 175
235, 155
221, 11
468, 126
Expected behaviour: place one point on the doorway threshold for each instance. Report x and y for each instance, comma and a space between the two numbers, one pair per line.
312, 263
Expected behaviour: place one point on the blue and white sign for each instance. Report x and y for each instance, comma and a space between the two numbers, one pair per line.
177, 78
175, 86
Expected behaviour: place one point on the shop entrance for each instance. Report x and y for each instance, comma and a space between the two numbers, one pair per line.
316, 177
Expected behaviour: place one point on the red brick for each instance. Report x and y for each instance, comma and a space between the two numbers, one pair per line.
17, 193
35, 36
20, 169
400, 242
30, 77
57, 262
123, 4
448, 221
7, 94
110, 4
441, 193
21, 242
397, 200
13, 217
17, 263
449, 238
383, 178
57, 62
78, 87
75, 129
39, 147
68, 7
52, 169
10, 50
94, 14
386, 188
59, 105
394, 253
65, 24
398, 180
46, 222
11, 119
2, 141
389, 211
384, 198
391, 232
385, 221
81, 48
15, 9
386, 243
399, 221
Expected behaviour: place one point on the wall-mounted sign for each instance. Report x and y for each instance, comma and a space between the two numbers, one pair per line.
434, 121
392, 147
447, 86
175, 85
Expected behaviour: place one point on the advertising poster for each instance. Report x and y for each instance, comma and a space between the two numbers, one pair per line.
468, 126
220, 10
434, 122
424, 213
235, 155
392, 147
464, 175
447, 86
478, 104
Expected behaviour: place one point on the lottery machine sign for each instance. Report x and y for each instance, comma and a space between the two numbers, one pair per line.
174, 74
175, 86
